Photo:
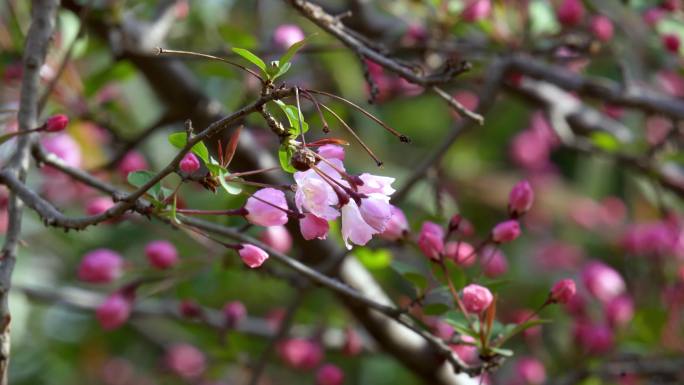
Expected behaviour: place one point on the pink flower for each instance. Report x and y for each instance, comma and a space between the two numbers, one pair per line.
100, 266
315, 195
596, 339
185, 361
287, 34
467, 351
563, 291
133, 161
331, 151
443, 330
476, 10
267, 214
376, 211
64, 147
56, 123
354, 227
506, 231
476, 298
234, 312
570, 12
161, 254
462, 253
531, 371
396, 227
300, 353
493, 262
353, 345
619, 311
671, 82
671, 42
329, 374
431, 240
530, 150
99, 205
189, 163
313, 227
252, 256
114, 311
277, 238
602, 28
602, 281
375, 184
671, 5
521, 198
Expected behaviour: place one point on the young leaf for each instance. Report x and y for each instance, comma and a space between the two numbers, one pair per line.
232, 147
179, 140
282, 70
284, 156
140, 178
254, 59
502, 352
231, 188
435, 309
292, 114
287, 56
510, 330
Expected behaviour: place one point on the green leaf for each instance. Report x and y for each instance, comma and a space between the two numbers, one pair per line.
410, 273
140, 178
254, 59
373, 259
513, 329
292, 114
282, 70
179, 140
503, 352
605, 141
284, 156
230, 187
287, 56
435, 309
214, 167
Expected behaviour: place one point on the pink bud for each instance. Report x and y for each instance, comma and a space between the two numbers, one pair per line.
329, 374
313, 227
396, 227
114, 311
602, 28
182, 9
506, 231
476, 298
521, 198
462, 253
100, 266
476, 10
161, 254
331, 151
619, 311
286, 35
300, 353
277, 238
234, 312
133, 161
443, 330
602, 281
652, 16
267, 214
353, 345
189, 308
466, 351
252, 256
99, 205
570, 12
671, 42
56, 123
596, 339
493, 262
563, 291
431, 240
531, 371
185, 361
189, 163
671, 5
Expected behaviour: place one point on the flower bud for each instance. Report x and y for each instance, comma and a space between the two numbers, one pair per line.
252, 256
506, 231
595, 339
329, 374
602, 28
300, 353
189, 163
466, 351
353, 345
462, 253
431, 240
619, 311
396, 227
570, 12
56, 123
277, 238
185, 361
521, 198
476, 10
531, 371
114, 311
671, 42
563, 291
286, 35
267, 214
161, 254
671, 5
493, 262
234, 312
652, 16
602, 281
100, 266
476, 298
313, 227
133, 161
99, 205
189, 308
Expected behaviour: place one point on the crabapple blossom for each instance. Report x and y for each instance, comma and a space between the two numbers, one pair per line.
493, 262
531, 371
602, 281
396, 227
185, 361
287, 34
462, 253
354, 227
595, 338
315, 195
476, 298
161, 254
300, 353
114, 311
521, 198
64, 147
313, 227
619, 311
506, 231
99, 205
132, 161
252, 256
331, 151
563, 291
189, 163
329, 374
261, 213
100, 266
56, 123
602, 28
570, 12
431, 240
234, 312
277, 238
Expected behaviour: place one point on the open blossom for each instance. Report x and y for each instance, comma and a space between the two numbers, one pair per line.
602, 281
252, 256
563, 291
476, 298
354, 227
313, 227
431, 240
329, 374
331, 151
100, 266
261, 213
277, 238
64, 147
185, 361
314, 194
114, 311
